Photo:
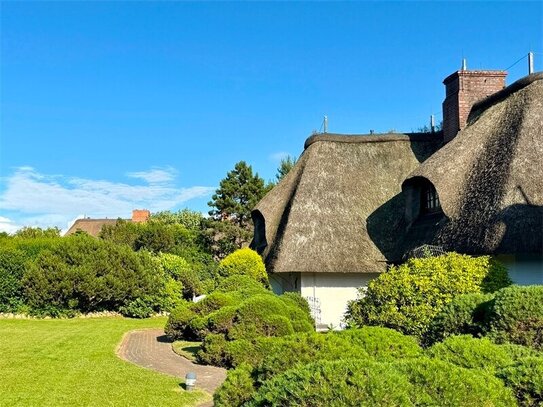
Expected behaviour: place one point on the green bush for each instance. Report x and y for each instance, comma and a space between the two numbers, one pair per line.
381, 343
236, 389
408, 297
516, 316
366, 382
526, 379
83, 274
466, 351
177, 326
245, 285
245, 262
138, 308
236, 315
464, 315
12, 267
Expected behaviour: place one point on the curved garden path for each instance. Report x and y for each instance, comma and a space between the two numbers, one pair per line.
152, 349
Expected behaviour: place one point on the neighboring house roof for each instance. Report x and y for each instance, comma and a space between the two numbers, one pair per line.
341, 206
489, 178
90, 226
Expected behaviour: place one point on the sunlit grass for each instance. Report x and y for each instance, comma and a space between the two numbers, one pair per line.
187, 349
73, 362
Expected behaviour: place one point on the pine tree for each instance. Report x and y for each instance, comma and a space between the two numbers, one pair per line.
237, 195
285, 166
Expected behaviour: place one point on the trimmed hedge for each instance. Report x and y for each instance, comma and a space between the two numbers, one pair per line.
466, 351
265, 358
516, 316
356, 382
408, 297
244, 262
465, 314
525, 377
12, 267
246, 314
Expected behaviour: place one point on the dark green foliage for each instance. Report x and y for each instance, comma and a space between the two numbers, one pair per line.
237, 195
466, 351
365, 382
285, 166
516, 316
84, 274
465, 314
408, 297
138, 308
525, 377
237, 389
244, 314
12, 266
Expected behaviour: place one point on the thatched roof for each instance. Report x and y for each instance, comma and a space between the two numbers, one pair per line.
341, 207
489, 178
90, 226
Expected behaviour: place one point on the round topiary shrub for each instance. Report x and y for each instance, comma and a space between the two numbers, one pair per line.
244, 285
366, 382
469, 352
177, 326
408, 297
381, 343
526, 379
516, 316
464, 315
245, 262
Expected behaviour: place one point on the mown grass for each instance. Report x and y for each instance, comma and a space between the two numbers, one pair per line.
187, 349
73, 362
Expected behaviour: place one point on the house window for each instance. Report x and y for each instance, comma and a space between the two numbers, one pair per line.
429, 200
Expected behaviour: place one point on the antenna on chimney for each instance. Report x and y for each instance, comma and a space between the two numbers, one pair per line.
325, 124
432, 123
464, 64
530, 63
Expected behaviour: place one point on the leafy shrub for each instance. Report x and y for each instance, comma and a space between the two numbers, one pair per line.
465, 314
12, 266
85, 274
245, 262
526, 379
466, 351
366, 382
138, 308
382, 343
242, 284
408, 297
180, 270
516, 316
238, 315
178, 323
236, 389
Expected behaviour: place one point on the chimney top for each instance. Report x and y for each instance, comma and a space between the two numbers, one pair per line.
462, 90
140, 215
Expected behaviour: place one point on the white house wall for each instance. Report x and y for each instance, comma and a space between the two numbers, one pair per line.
332, 292
524, 270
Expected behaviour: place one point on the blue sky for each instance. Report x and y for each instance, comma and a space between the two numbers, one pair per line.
110, 106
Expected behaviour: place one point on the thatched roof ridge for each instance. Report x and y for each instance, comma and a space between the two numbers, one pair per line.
371, 138
489, 178
339, 209
90, 226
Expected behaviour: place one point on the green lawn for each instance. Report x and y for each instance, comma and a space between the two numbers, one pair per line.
73, 362
187, 349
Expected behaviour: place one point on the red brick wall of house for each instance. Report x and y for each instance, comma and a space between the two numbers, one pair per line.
462, 90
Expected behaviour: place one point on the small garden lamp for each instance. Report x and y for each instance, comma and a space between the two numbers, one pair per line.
190, 381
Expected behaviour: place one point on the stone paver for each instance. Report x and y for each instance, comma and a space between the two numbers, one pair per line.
150, 348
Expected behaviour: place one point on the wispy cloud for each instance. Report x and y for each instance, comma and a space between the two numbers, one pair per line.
7, 225
155, 175
45, 200
278, 156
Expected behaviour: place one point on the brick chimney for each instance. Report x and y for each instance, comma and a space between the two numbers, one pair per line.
140, 215
462, 90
